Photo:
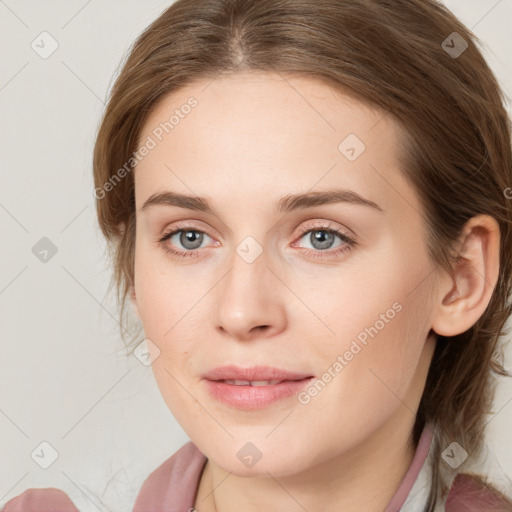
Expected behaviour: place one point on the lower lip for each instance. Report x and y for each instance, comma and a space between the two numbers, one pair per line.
254, 397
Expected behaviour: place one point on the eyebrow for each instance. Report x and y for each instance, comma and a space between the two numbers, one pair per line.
285, 204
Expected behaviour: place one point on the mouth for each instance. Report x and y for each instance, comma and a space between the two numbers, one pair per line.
254, 391
252, 383
255, 375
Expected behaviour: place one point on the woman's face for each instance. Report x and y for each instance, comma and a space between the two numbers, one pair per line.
254, 279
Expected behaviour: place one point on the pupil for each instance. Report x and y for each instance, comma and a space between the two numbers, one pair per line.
191, 239
321, 239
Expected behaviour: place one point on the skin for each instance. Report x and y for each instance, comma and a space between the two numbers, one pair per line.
252, 139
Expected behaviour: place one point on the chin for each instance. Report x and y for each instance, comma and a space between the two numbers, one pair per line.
262, 468
259, 458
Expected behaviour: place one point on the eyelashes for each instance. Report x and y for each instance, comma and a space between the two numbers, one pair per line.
323, 235
347, 241
180, 252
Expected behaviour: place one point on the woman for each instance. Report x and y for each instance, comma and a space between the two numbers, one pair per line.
308, 211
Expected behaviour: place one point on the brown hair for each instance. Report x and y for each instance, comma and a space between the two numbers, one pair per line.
394, 55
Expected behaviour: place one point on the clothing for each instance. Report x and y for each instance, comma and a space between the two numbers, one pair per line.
173, 486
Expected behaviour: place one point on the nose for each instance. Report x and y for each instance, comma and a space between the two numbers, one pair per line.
250, 301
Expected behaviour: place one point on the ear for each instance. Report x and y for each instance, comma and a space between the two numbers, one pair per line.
135, 306
465, 293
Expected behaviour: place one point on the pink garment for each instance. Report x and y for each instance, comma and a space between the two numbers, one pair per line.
173, 486
467, 494
41, 500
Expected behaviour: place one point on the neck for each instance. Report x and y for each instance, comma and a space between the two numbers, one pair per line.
366, 478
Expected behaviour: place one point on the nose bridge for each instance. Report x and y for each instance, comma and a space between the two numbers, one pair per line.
249, 297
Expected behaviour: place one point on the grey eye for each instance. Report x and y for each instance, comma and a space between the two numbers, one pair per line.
321, 239
190, 239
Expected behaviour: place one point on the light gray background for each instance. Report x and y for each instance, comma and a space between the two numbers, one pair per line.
62, 378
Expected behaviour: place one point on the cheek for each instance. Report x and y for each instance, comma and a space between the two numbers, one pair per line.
166, 296
174, 307
377, 322
373, 378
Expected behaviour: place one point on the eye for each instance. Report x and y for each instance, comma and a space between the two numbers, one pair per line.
188, 237
322, 239
186, 241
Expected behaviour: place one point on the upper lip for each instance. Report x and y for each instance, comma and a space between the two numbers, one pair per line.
253, 373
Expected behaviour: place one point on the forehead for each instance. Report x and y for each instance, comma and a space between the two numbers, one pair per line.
273, 133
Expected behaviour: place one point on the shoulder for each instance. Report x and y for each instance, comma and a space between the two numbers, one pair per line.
40, 500
470, 493
174, 482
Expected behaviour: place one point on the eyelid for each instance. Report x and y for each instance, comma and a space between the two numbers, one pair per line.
186, 225
343, 233
313, 225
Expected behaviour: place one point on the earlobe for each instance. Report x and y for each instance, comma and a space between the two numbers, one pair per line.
465, 293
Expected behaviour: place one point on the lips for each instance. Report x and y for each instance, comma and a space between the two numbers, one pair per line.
254, 376
236, 382
253, 388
